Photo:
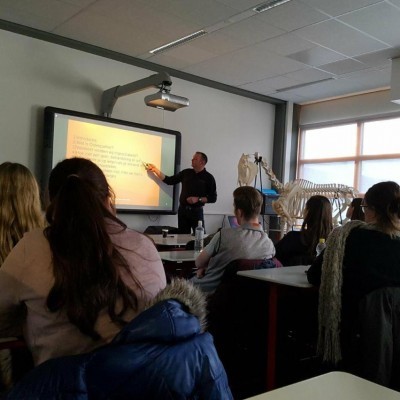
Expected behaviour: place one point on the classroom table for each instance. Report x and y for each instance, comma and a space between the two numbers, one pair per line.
178, 255
172, 240
179, 263
279, 280
331, 386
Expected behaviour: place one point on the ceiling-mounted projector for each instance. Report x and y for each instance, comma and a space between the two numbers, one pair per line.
163, 99
166, 101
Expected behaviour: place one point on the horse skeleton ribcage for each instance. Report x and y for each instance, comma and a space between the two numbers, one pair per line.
295, 195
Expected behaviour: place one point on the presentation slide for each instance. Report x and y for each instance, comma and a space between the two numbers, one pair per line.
120, 154
121, 151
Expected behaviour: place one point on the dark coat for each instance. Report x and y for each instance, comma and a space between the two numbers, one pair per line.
161, 354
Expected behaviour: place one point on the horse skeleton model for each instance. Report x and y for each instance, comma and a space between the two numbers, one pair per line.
294, 195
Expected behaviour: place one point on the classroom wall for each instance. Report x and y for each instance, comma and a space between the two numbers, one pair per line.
35, 74
363, 105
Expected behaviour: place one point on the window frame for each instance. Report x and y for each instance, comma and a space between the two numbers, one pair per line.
357, 158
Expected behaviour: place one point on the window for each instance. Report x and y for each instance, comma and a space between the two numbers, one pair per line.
357, 154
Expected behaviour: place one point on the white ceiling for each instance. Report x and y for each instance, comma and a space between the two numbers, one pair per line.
301, 51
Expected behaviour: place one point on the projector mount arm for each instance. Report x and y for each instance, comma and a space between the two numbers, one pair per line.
161, 80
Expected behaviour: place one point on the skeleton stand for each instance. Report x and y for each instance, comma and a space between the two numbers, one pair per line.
258, 161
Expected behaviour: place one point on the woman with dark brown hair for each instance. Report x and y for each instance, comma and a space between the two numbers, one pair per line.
355, 210
298, 247
75, 284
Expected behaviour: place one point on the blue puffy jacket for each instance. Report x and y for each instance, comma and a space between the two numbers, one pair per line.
161, 354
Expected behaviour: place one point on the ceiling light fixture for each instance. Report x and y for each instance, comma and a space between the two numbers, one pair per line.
178, 42
302, 85
268, 5
163, 99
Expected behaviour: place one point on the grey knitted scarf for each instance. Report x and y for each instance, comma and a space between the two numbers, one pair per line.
330, 293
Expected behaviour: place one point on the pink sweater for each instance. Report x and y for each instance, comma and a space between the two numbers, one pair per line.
26, 278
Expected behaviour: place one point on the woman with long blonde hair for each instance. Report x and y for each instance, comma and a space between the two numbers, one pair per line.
20, 208
20, 212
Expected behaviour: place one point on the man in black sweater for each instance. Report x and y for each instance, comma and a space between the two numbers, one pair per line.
198, 188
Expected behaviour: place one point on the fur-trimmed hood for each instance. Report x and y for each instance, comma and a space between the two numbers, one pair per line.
177, 313
186, 293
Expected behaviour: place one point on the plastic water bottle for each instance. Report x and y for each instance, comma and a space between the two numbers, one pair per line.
320, 246
199, 237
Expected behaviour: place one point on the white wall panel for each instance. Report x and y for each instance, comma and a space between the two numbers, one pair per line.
35, 74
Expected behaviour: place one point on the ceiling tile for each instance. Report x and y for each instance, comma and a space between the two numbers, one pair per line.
81, 3
114, 35
204, 12
294, 97
372, 19
43, 15
292, 15
309, 75
190, 53
228, 69
339, 7
316, 56
366, 79
286, 44
281, 82
251, 30
216, 69
241, 5
337, 36
167, 60
144, 20
258, 87
217, 43
379, 58
258, 52
343, 67
312, 92
272, 63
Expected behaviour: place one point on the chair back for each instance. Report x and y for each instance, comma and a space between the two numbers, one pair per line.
377, 336
237, 320
242, 265
231, 286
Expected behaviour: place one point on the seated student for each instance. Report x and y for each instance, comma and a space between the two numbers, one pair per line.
20, 212
71, 287
359, 258
249, 241
20, 209
355, 210
164, 353
298, 247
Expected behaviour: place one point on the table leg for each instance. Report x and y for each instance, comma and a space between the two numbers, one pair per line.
271, 338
